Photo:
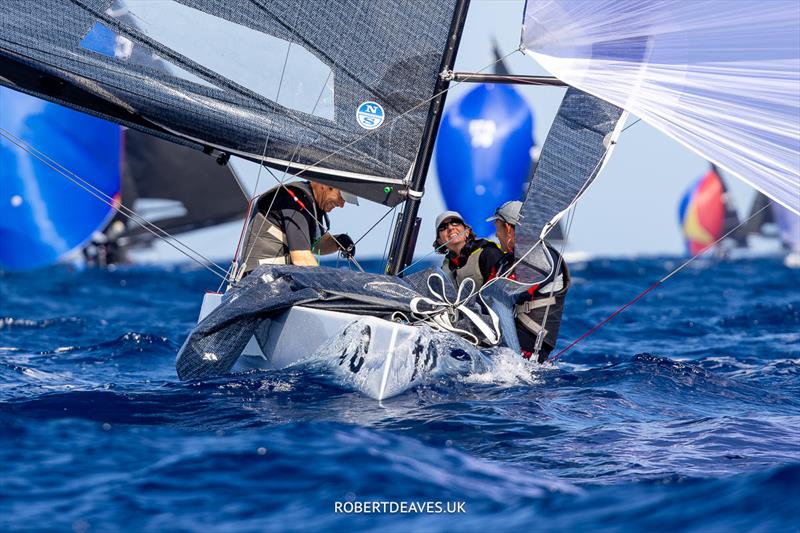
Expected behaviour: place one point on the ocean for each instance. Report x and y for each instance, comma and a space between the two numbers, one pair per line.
680, 414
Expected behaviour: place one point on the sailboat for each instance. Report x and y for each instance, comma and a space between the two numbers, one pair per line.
773, 221
174, 187
351, 96
706, 215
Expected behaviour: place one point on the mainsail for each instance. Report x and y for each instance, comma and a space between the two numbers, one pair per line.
330, 88
720, 77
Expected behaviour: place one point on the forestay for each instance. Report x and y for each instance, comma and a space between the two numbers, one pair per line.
720, 77
293, 82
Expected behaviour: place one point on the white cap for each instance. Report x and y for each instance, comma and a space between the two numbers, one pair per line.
447, 215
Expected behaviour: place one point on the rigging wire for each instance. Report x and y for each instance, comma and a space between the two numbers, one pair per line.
254, 194
385, 255
123, 210
635, 122
654, 285
400, 116
284, 178
390, 211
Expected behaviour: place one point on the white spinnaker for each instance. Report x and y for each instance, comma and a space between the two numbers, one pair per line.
721, 77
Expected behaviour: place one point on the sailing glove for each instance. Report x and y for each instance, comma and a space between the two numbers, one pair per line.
346, 245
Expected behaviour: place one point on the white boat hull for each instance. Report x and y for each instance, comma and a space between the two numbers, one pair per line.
377, 357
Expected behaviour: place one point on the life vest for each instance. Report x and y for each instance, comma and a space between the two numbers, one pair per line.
470, 269
548, 299
266, 242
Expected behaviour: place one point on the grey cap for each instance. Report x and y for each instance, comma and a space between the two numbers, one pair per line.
446, 215
508, 212
349, 198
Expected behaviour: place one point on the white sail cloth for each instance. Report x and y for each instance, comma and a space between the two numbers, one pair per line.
721, 77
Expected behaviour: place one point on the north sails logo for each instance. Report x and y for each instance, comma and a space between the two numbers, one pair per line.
370, 115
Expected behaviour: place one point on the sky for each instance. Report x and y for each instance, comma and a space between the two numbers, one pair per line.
630, 209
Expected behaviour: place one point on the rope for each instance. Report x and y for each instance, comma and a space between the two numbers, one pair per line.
442, 314
654, 285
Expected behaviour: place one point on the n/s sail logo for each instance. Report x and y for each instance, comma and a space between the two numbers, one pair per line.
370, 115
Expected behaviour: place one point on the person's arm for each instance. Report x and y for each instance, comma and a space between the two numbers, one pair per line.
303, 258
327, 245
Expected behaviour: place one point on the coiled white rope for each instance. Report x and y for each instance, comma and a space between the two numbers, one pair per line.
442, 314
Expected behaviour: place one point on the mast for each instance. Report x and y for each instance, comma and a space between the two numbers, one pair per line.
405, 230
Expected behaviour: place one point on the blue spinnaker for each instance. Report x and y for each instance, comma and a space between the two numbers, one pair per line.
44, 215
483, 153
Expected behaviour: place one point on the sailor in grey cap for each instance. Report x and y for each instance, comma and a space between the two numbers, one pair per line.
506, 218
538, 319
465, 255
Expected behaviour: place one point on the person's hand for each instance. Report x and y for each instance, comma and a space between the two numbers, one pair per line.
346, 245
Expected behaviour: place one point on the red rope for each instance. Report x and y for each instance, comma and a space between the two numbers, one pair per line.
609, 317
657, 283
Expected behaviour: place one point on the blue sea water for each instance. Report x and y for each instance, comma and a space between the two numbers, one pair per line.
681, 414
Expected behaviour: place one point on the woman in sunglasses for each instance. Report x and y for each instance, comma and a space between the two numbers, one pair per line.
465, 256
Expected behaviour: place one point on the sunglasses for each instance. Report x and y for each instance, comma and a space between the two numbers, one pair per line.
444, 225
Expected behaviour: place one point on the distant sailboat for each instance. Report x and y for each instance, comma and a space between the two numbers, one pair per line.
706, 214
774, 221
177, 188
45, 218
